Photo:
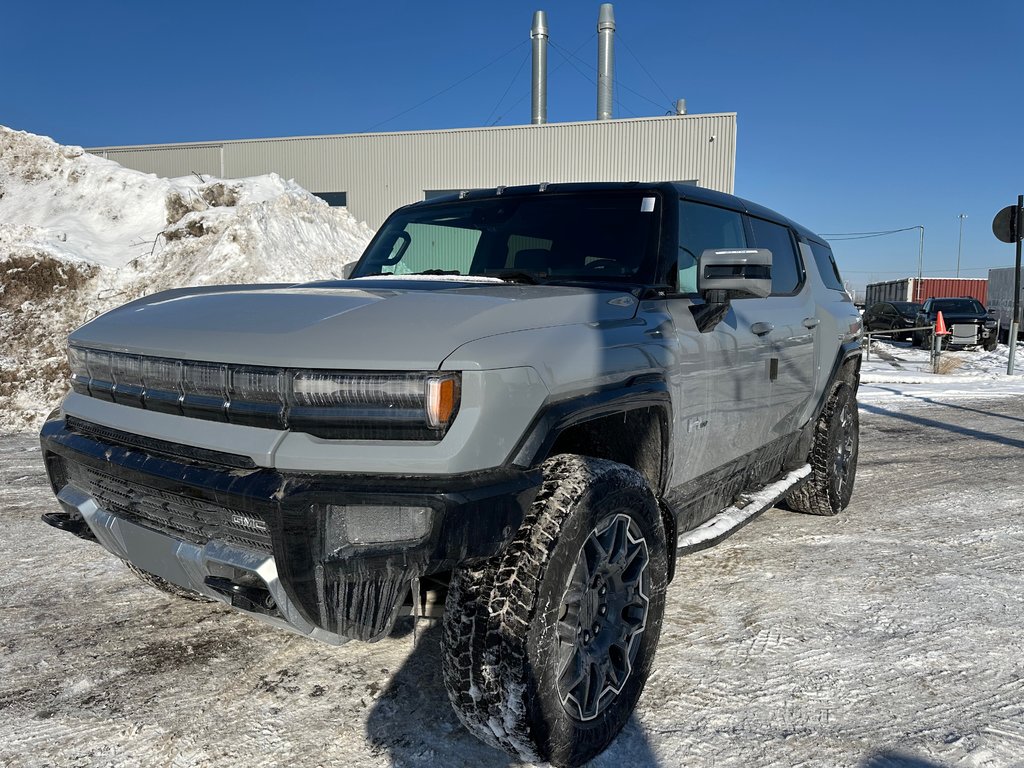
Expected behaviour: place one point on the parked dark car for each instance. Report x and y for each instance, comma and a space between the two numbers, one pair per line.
891, 316
967, 321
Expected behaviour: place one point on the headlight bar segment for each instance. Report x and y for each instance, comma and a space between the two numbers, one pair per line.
332, 404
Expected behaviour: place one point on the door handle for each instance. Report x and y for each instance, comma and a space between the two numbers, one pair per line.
811, 322
760, 329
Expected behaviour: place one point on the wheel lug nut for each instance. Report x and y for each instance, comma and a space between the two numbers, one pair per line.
597, 628
604, 609
603, 591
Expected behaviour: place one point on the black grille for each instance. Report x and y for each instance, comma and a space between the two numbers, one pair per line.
192, 520
159, 447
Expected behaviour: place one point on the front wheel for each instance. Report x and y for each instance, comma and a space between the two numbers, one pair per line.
833, 457
548, 645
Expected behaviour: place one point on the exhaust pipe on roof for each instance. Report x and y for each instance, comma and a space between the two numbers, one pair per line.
605, 61
539, 36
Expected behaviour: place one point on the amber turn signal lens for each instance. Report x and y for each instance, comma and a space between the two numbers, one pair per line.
442, 400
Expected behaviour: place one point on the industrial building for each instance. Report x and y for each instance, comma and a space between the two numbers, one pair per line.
374, 173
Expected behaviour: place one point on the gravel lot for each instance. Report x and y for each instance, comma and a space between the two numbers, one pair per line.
887, 636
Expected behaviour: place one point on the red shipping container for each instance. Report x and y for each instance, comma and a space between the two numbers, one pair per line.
912, 289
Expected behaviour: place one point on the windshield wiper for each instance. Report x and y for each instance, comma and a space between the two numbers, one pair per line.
438, 272
516, 276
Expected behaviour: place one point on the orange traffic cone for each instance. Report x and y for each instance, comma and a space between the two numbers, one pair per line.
940, 326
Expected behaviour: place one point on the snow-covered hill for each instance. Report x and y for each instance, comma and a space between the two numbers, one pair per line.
80, 234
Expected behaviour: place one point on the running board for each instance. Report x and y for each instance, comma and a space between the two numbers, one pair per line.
731, 519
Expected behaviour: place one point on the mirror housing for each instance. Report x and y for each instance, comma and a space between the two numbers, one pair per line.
346, 271
735, 271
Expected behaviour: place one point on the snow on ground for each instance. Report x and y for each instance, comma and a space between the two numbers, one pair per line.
80, 234
888, 636
898, 373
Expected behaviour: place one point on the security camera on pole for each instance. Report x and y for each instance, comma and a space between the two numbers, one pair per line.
1008, 226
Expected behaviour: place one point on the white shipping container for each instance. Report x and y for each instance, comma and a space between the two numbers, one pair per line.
1000, 299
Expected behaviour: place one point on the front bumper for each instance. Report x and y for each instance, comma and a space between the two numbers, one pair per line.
202, 524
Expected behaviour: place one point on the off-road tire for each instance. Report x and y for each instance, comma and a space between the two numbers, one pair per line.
833, 457
165, 586
506, 619
990, 343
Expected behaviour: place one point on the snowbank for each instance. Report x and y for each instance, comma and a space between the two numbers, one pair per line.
80, 234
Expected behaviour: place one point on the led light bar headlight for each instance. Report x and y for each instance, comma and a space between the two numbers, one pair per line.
329, 404
375, 406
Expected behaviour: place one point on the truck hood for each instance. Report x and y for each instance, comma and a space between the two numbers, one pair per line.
366, 324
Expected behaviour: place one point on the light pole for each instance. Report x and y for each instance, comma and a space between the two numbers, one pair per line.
960, 242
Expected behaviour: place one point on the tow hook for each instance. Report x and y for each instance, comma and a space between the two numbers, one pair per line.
70, 522
244, 596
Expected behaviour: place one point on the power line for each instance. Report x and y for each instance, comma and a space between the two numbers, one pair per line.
903, 271
561, 64
668, 98
841, 236
450, 87
522, 64
594, 82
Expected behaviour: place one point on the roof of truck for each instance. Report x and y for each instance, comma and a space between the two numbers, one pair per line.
685, 191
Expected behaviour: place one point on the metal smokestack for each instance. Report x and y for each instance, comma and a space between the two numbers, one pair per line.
539, 36
605, 61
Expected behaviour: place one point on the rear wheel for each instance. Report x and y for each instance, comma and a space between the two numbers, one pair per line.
548, 645
833, 457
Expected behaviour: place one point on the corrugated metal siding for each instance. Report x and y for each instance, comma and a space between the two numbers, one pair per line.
912, 289
169, 161
382, 171
938, 287
890, 290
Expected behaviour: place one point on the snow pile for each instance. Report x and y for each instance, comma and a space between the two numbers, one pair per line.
80, 234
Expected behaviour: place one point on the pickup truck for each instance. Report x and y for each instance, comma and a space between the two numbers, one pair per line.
516, 413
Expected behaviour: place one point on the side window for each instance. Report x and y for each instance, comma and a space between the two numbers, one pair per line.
702, 227
787, 272
827, 266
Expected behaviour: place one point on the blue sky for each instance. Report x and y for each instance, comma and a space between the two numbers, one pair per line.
852, 117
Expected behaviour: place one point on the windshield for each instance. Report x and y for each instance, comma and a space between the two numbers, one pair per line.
958, 305
596, 236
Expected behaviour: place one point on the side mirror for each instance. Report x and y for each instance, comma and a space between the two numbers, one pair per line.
346, 271
731, 271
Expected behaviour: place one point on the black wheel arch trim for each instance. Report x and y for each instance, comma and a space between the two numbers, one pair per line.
647, 391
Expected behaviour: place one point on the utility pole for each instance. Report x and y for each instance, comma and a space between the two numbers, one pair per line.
960, 242
920, 255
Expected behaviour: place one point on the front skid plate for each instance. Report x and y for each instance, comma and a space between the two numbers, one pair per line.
731, 519
187, 565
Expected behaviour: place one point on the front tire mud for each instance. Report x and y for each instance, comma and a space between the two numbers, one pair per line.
548, 645
833, 457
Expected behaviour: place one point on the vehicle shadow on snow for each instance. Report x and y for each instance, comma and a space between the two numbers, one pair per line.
889, 759
412, 721
921, 421
932, 401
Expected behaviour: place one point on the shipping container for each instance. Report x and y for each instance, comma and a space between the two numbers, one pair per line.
920, 289
1000, 299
